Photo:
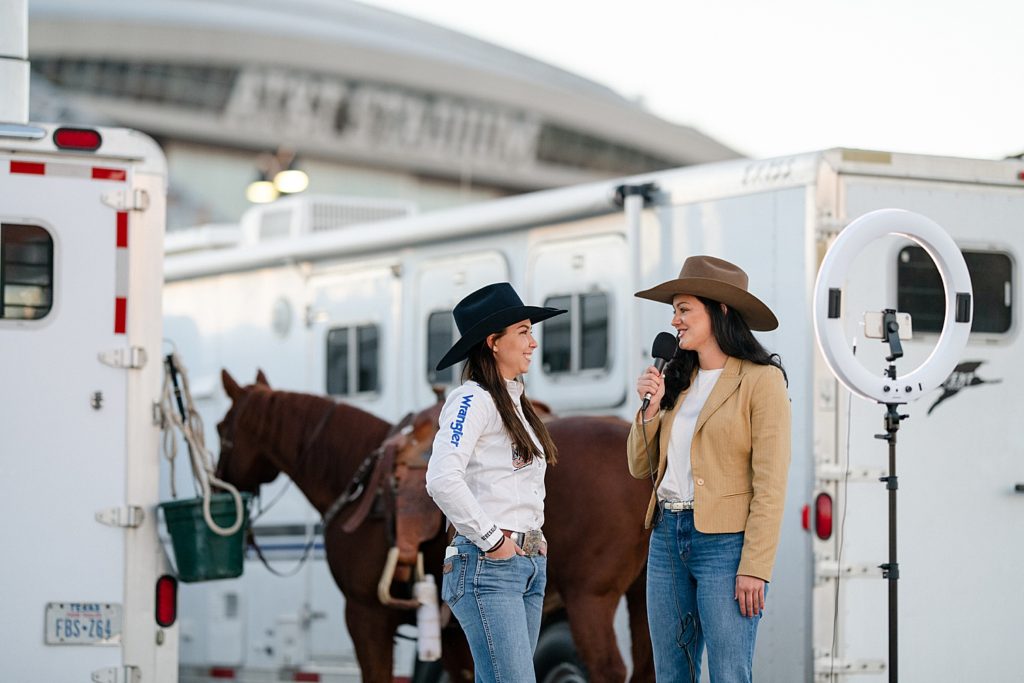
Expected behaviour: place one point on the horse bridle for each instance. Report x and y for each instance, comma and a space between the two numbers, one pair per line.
226, 442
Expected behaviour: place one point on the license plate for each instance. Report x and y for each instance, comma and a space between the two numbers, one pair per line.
83, 623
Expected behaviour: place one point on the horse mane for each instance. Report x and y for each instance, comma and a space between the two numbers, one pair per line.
286, 420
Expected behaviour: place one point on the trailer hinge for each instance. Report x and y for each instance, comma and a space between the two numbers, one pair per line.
825, 665
827, 568
130, 516
127, 200
130, 358
117, 674
830, 471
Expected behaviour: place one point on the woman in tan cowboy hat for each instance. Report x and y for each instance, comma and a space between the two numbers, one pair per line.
717, 435
486, 473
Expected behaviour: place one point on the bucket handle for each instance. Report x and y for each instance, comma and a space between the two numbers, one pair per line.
239, 507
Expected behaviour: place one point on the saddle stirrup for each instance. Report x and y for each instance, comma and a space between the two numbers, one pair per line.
388, 575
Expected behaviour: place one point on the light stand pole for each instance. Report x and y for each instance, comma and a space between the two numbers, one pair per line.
891, 569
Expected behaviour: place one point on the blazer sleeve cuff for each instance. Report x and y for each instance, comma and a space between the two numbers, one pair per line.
760, 570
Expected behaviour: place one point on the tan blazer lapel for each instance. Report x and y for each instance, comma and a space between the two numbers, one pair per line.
727, 383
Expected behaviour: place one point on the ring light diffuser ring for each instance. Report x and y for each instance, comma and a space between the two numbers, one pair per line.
955, 280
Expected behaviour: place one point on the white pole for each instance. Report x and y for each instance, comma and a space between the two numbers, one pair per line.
14, 67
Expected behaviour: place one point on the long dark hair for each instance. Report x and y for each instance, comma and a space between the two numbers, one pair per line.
483, 369
734, 338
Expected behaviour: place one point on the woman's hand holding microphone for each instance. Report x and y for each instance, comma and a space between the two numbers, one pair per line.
651, 384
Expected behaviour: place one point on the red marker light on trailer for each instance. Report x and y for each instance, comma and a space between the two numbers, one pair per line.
81, 139
166, 601
823, 516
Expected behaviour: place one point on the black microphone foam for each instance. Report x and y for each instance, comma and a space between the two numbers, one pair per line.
664, 347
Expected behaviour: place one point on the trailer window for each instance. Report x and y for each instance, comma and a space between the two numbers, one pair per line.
578, 340
26, 272
368, 340
556, 351
353, 360
440, 337
920, 291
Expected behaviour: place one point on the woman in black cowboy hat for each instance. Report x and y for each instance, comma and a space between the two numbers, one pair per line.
717, 433
486, 473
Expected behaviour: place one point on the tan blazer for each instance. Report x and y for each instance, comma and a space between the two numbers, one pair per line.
739, 456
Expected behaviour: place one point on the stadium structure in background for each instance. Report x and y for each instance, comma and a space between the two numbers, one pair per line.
368, 102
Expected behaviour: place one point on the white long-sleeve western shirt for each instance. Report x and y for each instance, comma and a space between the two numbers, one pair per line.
474, 474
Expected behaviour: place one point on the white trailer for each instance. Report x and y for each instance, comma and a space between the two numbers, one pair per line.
81, 239
362, 313
87, 595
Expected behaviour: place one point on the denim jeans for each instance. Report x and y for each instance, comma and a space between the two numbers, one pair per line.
691, 584
498, 603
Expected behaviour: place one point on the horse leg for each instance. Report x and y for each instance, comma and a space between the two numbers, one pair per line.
590, 620
373, 633
639, 631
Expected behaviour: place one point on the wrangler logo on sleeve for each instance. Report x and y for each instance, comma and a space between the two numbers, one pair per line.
460, 419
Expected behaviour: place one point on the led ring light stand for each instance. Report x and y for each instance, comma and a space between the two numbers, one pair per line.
888, 388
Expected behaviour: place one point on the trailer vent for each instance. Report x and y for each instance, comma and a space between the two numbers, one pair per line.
331, 216
293, 217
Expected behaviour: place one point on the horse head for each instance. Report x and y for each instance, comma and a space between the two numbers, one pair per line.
244, 459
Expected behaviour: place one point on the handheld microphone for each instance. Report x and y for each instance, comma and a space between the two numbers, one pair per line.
664, 347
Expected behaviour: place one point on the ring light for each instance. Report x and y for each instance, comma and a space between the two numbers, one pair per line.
828, 290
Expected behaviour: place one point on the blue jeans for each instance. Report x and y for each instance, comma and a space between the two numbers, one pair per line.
498, 603
691, 584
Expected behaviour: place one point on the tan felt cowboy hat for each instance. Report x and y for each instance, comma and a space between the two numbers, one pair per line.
716, 279
489, 309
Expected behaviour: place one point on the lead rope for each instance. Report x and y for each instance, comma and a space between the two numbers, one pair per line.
188, 421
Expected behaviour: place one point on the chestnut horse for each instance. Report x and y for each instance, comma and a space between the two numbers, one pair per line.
594, 522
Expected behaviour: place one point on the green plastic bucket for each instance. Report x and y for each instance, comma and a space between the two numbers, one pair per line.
201, 554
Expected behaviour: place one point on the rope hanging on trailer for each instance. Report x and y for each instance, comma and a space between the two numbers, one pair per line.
187, 421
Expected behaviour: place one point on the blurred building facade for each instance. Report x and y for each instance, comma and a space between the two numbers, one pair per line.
369, 102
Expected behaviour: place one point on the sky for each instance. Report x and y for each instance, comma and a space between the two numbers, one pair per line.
776, 77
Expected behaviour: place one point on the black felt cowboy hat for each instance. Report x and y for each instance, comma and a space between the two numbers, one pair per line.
716, 279
487, 310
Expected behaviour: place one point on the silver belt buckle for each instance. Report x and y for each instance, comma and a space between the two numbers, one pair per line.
534, 543
678, 505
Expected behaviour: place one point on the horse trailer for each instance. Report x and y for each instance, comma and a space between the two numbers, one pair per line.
361, 311
87, 590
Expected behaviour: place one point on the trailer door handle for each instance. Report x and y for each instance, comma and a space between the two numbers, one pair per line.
1019, 488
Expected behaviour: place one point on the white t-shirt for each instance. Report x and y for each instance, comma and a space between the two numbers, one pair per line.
475, 476
678, 481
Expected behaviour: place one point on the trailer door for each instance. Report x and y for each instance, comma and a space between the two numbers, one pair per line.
959, 458
64, 286
440, 284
